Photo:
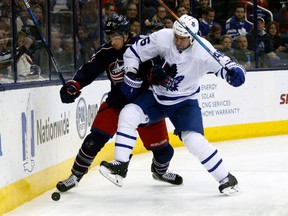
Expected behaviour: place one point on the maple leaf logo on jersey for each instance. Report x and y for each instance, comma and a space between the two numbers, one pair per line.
116, 71
173, 80
173, 83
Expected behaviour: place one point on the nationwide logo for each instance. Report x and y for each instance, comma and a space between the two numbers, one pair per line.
47, 130
28, 141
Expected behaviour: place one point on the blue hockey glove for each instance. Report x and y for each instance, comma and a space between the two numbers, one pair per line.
157, 76
70, 91
130, 86
236, 74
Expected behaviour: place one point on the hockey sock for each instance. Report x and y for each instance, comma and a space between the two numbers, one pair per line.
92, 144
129, 119
162, 158
206, 153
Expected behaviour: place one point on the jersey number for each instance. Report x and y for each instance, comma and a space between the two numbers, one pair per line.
145, 41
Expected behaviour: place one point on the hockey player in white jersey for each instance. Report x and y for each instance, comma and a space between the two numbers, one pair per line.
174, 94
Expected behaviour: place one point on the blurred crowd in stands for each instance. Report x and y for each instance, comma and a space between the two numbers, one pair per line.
75, 31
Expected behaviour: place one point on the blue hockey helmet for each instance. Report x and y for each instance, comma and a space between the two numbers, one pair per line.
117, 24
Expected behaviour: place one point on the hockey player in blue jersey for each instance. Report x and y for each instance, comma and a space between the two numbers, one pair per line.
175, 95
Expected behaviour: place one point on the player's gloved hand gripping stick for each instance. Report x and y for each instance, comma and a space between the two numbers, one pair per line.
235, 72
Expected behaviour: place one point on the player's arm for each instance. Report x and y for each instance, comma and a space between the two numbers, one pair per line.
139, 52
233, 72
85, 75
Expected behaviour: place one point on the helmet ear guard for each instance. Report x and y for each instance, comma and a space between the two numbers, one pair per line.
190, 23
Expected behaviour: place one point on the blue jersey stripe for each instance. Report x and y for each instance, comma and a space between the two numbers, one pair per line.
135, 53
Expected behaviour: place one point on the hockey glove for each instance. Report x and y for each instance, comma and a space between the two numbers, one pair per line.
70, 91
130, 86
235, 75
157, 76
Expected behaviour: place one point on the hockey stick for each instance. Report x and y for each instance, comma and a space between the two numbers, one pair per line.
213, 54
44, 41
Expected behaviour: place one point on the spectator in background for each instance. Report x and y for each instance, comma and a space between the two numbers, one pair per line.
3, 53
264, 41
187, 5
38, 12
68, 53
277, 42
135, 27
5, 11
84, 42
225, 46
108, 9
156, 26
104, 2
160, 14
169, 21
157, 18
181, 10
207, 22
214, 37
283, 21
245, 56
24, 62
200, 7
23, 22
236, 25
56, 46
131, 11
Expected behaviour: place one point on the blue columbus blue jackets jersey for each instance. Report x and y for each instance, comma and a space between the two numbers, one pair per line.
109, 61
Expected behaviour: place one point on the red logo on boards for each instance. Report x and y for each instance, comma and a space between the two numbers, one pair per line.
284, 99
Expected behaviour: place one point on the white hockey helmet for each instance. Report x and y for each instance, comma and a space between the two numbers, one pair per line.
190, 22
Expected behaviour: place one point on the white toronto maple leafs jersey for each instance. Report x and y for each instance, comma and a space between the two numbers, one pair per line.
192, 64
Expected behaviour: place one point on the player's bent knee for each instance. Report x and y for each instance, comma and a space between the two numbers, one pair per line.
94, 142
131, 116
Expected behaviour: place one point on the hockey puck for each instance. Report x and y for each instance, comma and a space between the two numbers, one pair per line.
55, 196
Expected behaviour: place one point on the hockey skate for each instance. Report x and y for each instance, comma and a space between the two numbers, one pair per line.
168, 177
68, 183
114, 171
229, 185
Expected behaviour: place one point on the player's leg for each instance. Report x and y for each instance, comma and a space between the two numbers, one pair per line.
155, 138
103, 128
188, 124
131, 116
129, 119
